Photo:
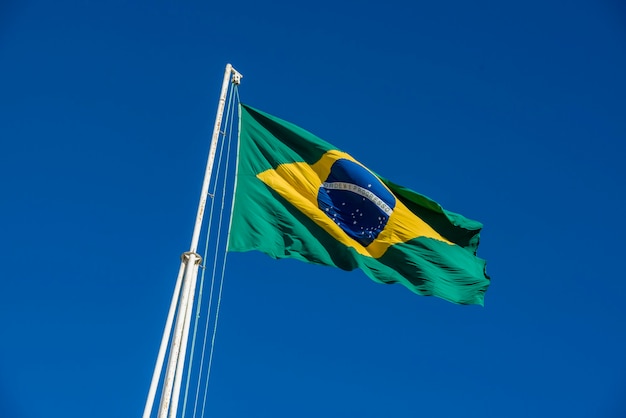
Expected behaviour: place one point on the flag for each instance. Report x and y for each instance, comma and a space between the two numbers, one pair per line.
297, 196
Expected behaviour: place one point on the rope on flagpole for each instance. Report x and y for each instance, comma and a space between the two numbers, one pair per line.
221, 287
220, 255
228, 122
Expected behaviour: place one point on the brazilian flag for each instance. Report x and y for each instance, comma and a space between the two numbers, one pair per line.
300, 197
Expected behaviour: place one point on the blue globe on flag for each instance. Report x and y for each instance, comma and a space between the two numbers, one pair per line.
356, 200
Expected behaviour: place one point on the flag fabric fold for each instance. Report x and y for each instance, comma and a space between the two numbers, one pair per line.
297, 196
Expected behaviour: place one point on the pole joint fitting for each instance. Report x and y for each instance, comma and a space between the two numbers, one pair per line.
186, 256
236, 79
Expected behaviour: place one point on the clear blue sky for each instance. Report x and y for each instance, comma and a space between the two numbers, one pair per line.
513, 114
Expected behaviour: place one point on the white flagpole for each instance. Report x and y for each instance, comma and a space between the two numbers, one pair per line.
185, 337
191, 260
182, 302
166, 336
209, 166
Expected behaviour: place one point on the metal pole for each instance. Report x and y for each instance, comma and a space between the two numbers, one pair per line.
175, 348
183, 353
164, 341
182, 303
209, 166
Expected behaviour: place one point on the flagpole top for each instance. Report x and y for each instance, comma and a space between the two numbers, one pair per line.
236, 79
237, 76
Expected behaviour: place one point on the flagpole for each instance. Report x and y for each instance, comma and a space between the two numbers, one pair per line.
191, 261
236, 77
185, 337
182, 301
164, 340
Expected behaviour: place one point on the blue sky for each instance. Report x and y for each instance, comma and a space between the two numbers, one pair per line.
509, 113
